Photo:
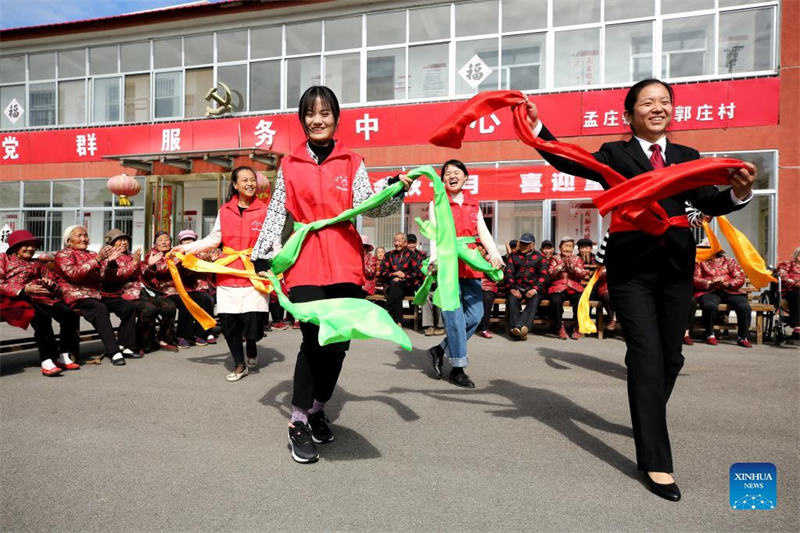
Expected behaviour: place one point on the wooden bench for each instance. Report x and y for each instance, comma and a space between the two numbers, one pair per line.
412, 314
723, 322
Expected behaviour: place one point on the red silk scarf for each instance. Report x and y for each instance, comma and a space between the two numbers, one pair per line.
634, 201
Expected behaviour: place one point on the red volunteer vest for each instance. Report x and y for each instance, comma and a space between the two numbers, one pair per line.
466, 219
240, 232
314, 192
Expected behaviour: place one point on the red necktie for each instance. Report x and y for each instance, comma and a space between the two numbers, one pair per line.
656, 159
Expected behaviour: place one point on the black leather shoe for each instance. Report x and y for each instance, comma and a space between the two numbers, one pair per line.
669, 491
118, 362
461, 380
135, 355
437, 357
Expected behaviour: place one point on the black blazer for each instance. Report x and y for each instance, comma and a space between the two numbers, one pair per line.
630, 252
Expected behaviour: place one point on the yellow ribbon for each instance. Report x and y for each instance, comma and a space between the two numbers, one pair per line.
748, 257
220, 266
585, 323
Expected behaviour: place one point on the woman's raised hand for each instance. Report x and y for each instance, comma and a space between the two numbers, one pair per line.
742, 180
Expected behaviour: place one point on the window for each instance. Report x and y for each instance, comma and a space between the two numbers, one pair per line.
42, 104
265, 85
343, 33
522, 59
427, 70
486, 49
103, 60
7, 94
266, 42
429, 23
342, 74
42, 66
12, 69
679, 6
231, 46
137, 98
72, 63
167, 53
135, 56
629, 52
305, 38
516, 218
167, 93
107, 96
476, 18
66, 193
577, 57
235, 77
570, 12
386, 28
745, 40
72, 102
687, 45
625, 9
198, 82
9, 194
386, 74
198, 50
524, 15
301, 74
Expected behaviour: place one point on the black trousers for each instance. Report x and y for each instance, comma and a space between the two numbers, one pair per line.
248, 326
604, 299
557, 303
793, 299
166, 309
518, 316
488, 303
737, 302
188, 327
395, 292
652, 308
96, 312
42, 323
318, 367
275, 312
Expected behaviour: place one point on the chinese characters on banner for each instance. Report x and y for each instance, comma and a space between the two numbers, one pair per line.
721, 104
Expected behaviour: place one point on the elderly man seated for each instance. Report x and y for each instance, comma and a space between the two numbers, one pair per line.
720, 280
29, 296
400, 273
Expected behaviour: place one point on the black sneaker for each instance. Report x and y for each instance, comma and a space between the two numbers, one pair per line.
437, 357
301, 444
460, 379
320, 431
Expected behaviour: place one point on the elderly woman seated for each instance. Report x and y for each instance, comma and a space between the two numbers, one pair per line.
29, 296
80, 283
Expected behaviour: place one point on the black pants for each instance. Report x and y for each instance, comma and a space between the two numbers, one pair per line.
188, 327
69, 322
275, 312
249, 326
557, 303
517, 316
96, 312
395, 293
166, 309
488, 304
793, 299
652, 308
737, 302
605, 300
317, 368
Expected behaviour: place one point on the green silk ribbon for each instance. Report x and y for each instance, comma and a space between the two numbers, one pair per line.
341, 319
449, 249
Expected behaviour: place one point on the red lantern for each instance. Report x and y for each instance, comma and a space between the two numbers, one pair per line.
262, 187
124, 186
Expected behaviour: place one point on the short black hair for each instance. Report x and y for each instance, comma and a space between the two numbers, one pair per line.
326, 96
235, 177
584, 242
512, 243
633, 94
454, 163
547, 243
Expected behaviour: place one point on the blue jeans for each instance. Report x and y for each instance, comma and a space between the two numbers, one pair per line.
461, 323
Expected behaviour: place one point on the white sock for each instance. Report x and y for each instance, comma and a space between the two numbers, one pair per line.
48, 364
64, 359
116, 357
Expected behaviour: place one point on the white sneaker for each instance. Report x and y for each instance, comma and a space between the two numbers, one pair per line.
236, 376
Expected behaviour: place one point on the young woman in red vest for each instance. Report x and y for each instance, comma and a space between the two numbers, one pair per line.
241, 308
461, 323
319, 180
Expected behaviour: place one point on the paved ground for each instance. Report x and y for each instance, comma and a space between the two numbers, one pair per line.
543, 443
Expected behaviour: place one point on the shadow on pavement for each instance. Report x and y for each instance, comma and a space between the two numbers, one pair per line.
266, 357
556, 411
595, 364
414, 360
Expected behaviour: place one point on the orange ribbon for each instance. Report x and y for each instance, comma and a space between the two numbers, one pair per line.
748, 257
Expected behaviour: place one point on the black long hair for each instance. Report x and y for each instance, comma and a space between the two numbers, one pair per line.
326, 96
633, 95
234, 177
454, 163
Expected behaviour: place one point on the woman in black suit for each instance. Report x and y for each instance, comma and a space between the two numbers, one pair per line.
650, 276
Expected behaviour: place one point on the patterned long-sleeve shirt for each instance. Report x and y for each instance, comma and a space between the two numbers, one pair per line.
566, 274
269, 241
719, 273
789, 272
526, 271
404, 261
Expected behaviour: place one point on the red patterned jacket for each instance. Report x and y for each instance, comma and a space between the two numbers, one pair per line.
121, 278
566, 274
789, 272
79, 275
197, 281
16, 273
723, 269
156, 277
370, 270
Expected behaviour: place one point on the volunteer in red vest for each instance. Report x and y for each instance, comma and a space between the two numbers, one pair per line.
319, 180
29, 295
242, 310
461, 323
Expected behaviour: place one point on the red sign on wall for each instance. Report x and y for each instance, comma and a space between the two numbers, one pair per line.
720, 104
